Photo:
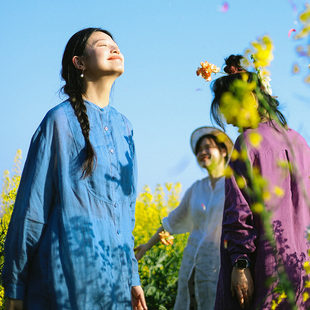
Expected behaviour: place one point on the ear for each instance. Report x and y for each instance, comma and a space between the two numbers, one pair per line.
78, 63
224, 152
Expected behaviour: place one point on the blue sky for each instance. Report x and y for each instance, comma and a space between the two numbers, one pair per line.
163, 43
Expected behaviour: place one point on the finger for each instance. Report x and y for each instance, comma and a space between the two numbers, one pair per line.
240, 296
246, 298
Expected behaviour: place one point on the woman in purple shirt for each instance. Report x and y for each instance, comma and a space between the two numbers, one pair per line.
250, 265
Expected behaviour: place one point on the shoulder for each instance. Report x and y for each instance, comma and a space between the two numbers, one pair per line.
196, 186
122, 118
55, 119
56, 114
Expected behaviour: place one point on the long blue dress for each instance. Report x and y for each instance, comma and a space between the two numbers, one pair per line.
69, 243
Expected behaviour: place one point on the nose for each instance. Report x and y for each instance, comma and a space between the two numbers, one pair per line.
115, 50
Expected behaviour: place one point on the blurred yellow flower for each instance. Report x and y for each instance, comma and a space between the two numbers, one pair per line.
266, 195
296, 68
305, 296
234, 155
257, 207
255, 139
241, 182
239, 106
307, 267
278, 191
206, 70
262, 52
304, 18
228, 172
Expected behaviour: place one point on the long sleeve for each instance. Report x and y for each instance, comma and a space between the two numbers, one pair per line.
180, 219
29, 216
238, 223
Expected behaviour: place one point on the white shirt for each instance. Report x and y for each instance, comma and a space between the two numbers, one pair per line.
200, 213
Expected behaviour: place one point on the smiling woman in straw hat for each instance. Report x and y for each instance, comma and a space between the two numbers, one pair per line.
200, 214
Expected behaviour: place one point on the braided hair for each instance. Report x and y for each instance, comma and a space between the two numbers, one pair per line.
224, 83
75, 88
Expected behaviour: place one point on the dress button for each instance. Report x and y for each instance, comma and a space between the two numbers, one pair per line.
118, 231
115, 205
111, 151
106, 128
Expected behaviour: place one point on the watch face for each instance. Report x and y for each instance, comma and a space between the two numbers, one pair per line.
242, 263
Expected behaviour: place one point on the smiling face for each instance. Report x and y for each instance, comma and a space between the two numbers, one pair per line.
102, 57
209, 156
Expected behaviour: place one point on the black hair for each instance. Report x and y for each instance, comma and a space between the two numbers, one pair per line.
220, 145
267, 105
75, 88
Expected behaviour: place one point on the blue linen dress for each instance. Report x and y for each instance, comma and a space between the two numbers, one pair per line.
69, 243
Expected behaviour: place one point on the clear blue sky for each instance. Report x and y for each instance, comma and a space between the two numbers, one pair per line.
163, 43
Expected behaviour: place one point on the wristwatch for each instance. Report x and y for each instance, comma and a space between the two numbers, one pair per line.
242, 263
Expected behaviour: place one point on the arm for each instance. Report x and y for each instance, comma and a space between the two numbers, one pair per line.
29, 217
142, 248
239, 232
13, 304
178, 221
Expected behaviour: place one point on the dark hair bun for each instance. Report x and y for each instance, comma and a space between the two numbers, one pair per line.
233, 64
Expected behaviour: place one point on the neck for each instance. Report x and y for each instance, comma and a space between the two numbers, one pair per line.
216, 174
98, 92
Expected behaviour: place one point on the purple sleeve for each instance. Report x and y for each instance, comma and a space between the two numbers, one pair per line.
238, 225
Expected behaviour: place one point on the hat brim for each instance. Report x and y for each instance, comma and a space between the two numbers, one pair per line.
207, 130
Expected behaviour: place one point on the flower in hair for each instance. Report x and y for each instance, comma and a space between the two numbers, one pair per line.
206, 70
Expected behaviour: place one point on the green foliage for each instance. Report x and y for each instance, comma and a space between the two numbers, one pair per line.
8, 196
159, 267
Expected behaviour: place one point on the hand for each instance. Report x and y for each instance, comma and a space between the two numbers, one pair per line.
137, 298
140, 251
242, 286
13, 304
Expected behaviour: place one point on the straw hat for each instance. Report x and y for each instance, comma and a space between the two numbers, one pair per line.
221, 136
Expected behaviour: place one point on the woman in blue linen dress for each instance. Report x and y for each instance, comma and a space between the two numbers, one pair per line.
199, 213
69, 243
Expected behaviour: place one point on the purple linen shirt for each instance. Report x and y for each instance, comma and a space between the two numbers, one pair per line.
242, 229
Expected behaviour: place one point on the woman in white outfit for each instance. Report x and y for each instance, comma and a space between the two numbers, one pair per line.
200, 214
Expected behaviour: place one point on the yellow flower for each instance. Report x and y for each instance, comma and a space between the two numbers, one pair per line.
255, 139
241, 182
238, 106
307, 266
305, 296
206, 70
266, 195
262, 51
228, 172
234, 155
296, 69
304, 18
257, 207
278, 191
307, 284
165, 238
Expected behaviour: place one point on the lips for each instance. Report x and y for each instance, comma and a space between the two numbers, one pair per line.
115, 57
204, 157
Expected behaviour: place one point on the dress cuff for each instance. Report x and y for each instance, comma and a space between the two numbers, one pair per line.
235, 257
14, 291
135, 280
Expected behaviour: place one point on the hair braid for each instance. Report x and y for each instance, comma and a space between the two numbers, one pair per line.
75, 88
81, 113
